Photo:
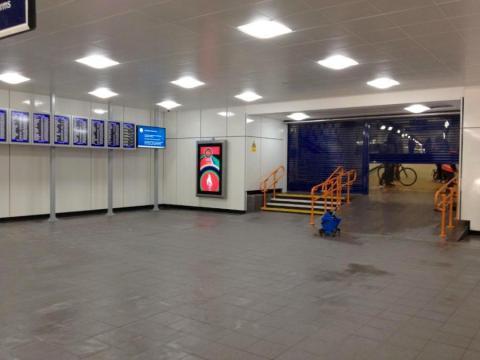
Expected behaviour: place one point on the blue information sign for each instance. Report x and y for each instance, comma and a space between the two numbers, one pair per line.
16, 16
151, 137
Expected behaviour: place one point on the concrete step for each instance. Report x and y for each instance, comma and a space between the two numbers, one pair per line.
288, 205
291, 211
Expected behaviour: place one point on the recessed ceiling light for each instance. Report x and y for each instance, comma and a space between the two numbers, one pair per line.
169, 104
383, 127
417, 108
97, 61
383, 83
188, 82
265, 29
100, 111
226, 113
249, 121
13, 78
298, 116
248, 96
447, 124
338, 62
35, 103
399, 131
390, 128
103, 93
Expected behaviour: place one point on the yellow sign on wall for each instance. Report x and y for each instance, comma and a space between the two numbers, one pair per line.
253, 148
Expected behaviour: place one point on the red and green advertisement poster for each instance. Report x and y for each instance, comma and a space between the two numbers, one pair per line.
210, 169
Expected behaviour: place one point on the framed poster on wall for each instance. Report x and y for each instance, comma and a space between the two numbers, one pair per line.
41, 128
61, 127
3, 125
98, 133
211, 169
113, 134
20, 127
128, 136
80, 131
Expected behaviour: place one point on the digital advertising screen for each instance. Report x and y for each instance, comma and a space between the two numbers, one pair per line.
211, 169
151, 137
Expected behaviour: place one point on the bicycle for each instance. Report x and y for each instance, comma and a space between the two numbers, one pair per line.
404, 175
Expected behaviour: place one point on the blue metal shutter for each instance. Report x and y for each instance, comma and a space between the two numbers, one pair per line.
316, 149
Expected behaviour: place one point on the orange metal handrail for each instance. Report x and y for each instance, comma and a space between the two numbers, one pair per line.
351, 179
446, 198
331, 192
270, 183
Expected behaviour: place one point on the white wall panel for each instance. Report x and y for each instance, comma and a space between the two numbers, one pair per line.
29, 179
186, 172
73, 180
471, 178
236, 123
472, 107
170, 124
137, 178
213, 125
118, 179
170, 172
4, 180
99, 163
253, 170
188, 124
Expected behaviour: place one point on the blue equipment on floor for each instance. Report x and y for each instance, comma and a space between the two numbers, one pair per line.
330, 224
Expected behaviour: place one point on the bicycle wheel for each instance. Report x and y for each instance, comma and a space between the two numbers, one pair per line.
407, 176
381, 174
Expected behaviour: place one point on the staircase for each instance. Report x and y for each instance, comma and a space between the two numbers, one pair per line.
294, 204
325, 196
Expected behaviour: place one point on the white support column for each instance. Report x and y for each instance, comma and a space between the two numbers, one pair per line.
53, 195
155, 167
110, 168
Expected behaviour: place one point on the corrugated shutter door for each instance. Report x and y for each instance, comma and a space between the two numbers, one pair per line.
315, 150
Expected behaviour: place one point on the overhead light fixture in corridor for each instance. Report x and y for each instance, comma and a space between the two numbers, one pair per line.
417, 108
226, 113
188, 82
248, 96
338, 62
97, 62
265, 29
169, 104
13, 78
103, 93
298, 116
383, 83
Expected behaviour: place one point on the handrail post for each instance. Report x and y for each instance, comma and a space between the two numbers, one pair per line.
443, 232
450, 210
312, 209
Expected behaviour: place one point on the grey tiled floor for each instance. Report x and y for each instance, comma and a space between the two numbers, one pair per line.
188, 285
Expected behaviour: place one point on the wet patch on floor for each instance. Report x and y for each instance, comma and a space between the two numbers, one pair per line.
351, 270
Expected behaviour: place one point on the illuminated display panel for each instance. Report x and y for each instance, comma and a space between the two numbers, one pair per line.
211, 169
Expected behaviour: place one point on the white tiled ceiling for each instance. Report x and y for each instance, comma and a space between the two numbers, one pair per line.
421, 43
